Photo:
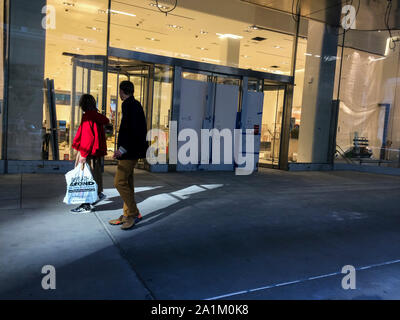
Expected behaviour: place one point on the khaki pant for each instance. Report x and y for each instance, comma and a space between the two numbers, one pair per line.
96, 169
123, 181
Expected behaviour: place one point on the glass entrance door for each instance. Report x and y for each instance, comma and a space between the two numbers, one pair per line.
271, 126
89, 77
139, 75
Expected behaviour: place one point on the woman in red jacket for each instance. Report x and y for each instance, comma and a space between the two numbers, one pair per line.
90, 141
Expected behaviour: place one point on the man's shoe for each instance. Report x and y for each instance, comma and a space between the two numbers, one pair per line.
116, 222
83, 208
128, 222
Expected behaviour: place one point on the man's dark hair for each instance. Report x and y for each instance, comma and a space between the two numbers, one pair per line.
87, 102
127, 87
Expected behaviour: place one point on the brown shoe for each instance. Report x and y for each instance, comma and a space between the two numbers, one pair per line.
116, 222
128, 222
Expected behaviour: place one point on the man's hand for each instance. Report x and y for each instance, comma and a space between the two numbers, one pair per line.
117, 154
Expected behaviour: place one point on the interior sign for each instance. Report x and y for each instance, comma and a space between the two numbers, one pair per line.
349, 19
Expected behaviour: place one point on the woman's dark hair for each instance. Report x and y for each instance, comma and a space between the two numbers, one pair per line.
87, 102
127, 87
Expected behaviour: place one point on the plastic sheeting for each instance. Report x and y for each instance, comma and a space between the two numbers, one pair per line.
366, 82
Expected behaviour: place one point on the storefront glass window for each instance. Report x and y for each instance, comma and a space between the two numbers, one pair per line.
295, 121
80, 30
206, 32
368, 130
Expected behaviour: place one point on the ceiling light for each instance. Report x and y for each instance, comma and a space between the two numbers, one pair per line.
203, 32
211, 60
228, 35
152, 39
183, 55
376, 59
94, 29
389, 45
201, 48
123, 13
160, 6
101, 11
277, 47
174, 26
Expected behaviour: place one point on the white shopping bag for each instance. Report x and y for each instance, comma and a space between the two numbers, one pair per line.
81, 187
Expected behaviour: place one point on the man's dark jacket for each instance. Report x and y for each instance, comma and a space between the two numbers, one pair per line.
133, 130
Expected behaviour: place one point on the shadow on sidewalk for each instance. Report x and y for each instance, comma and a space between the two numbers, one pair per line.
158, 206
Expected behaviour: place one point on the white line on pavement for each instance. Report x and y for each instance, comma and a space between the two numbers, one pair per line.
300, 281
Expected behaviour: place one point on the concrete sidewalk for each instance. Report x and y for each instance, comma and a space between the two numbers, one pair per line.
271, 235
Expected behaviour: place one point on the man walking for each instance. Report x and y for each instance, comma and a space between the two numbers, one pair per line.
132, 145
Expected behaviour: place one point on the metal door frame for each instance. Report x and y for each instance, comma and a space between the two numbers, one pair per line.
181, 65
282, 146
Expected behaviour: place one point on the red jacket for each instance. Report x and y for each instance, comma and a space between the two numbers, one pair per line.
90, 139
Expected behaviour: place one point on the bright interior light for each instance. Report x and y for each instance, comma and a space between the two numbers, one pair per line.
376, 59
174, 26
124, 13
228, 35
211, 60
387, 46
